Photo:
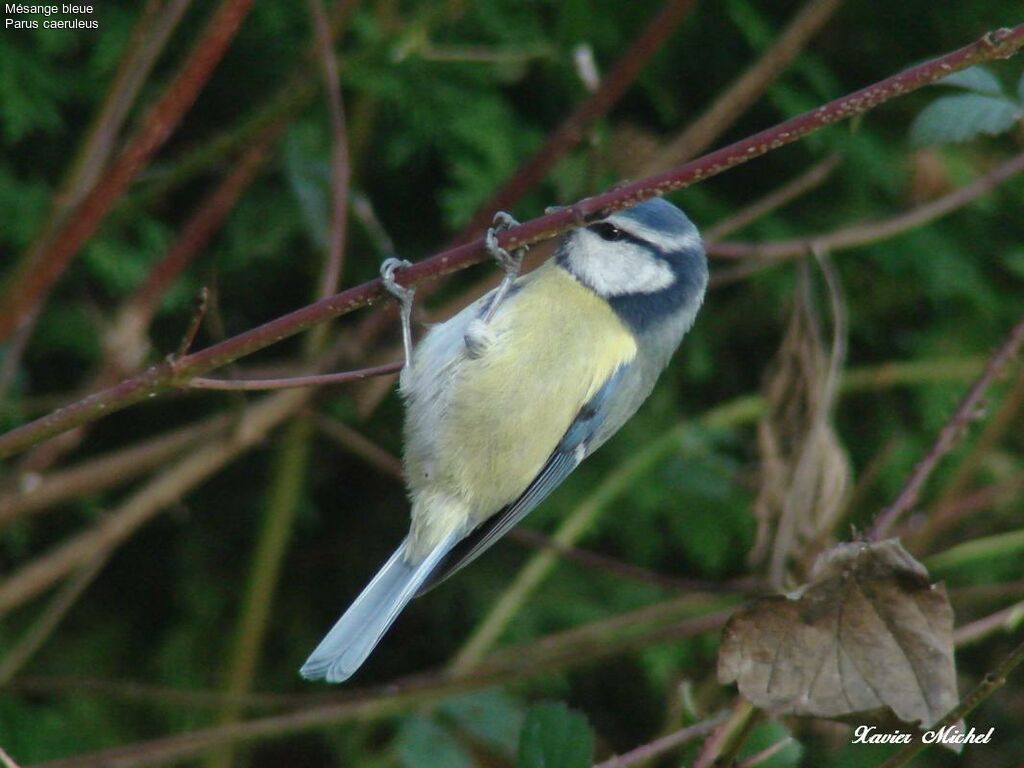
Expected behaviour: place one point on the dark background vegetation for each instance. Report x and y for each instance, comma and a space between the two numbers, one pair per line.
444, 100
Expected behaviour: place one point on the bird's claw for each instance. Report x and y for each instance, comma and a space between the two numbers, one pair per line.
405, 298
510, 263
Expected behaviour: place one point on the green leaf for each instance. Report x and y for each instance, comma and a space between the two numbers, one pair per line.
555, 737
960, 118
493, 717
977, 79
421, 741
1020, 88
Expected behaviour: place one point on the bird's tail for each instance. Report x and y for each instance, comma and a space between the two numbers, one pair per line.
357, 632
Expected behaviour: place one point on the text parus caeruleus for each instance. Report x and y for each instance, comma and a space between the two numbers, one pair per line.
504, 400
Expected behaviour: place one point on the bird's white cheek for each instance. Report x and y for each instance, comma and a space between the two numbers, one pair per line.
615, 269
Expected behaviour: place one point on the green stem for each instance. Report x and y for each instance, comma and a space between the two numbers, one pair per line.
285, 493
977, 550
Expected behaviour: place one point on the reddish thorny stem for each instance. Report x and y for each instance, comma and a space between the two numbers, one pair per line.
1001, 43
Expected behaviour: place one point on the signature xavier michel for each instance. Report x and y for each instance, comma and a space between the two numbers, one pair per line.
948, 734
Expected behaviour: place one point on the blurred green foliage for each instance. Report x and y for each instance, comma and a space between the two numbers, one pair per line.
444, 100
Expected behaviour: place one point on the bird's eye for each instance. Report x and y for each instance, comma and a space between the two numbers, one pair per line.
607, 231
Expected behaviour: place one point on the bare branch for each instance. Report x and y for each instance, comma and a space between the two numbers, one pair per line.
1006, 620
107, 470
50, 619
665, 744
573, 129
766, 754
340, 165
746, 89
194, 323
316, 380
358, 445
760, 256
791, 190
966, 412
164, 489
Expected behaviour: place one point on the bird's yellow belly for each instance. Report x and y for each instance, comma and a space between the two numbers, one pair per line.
555, 344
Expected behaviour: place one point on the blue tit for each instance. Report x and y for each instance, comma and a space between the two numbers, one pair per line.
504, 401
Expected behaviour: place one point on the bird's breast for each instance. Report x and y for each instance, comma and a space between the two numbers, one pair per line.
480, 428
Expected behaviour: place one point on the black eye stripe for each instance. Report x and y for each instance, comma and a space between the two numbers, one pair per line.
612, 234
607, 231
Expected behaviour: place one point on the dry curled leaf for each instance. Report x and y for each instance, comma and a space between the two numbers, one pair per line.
867, 631
805, 473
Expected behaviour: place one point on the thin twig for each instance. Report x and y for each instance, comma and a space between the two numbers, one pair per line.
615, 567
1007, 620
316, 380
664, 744
995, 429
971, 594
162, 491
357, 444
718, 742
745, 90
160, 695
107, 470
340, 170
656, 623
760, 256
41, 268
284, 493
766, 754
919, 534
204, 221
145, 47
49, 619
977, 550
777, 198
575, 127
194, 323
997, 44
965, 413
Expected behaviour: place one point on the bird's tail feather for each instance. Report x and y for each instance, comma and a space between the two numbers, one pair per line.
357, 632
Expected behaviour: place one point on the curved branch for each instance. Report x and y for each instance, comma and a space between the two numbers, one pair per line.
295, 381
746, 89
574, 128
965, 412
763, 255
998, 44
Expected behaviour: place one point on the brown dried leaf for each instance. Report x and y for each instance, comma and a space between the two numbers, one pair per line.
805, 473
867, 631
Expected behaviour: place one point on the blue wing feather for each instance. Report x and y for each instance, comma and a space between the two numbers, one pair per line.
563, 460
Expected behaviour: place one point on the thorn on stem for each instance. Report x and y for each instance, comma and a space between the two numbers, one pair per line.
198, 313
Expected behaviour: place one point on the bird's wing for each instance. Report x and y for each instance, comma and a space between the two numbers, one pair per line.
571, 450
